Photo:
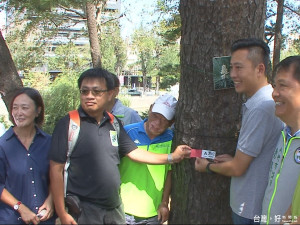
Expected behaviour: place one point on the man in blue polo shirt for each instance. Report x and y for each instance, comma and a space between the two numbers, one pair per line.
145, 188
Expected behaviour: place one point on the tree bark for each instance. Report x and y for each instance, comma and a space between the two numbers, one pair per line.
93, 34
208, 118
9, 77
278, 34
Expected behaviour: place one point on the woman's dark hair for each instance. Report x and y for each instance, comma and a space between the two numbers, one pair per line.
36, 98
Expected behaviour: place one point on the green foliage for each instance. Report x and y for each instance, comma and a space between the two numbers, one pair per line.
294, 49
169, 65
69, 57
168, 81
125, 100
170, 22
148, 48
113, 49
144, 114
145, 43
61, 97
25, 54
5, 121
296, 45
1, 118
36, 80
156, 56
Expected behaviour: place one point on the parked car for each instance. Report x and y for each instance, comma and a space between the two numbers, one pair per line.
134, 92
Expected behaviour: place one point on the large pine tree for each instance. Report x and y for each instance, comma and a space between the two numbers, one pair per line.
205, 118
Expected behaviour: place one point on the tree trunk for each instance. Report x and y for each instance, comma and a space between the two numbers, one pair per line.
145, 83
144, 71
93, 34
157, 81
9, 78
278, 35
208, 118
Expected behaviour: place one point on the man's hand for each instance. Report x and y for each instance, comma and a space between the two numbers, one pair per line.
163, 212
67, 219
181, 152
200, 164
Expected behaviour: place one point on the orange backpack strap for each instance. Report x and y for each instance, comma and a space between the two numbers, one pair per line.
73, 133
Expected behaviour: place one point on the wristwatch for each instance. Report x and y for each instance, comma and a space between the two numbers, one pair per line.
208, 169
17, 206
170, 159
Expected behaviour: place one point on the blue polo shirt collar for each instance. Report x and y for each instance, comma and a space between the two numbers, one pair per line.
157, 139
288, 133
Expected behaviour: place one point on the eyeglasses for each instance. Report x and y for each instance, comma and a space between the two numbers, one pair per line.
94, 92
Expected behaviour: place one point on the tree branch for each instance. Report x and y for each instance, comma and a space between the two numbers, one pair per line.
292, 10
73, 10
113, 19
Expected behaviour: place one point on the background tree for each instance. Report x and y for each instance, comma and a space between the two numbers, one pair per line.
168, 66
167, 28
37, 80
69, 57
9, 78
93, 30
145, 43
281, 14
113, 49
64, 88
52, 15
278, 34
26, 54
205, 118
169, 20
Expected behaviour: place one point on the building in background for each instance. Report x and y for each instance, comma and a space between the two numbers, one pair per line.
72, 28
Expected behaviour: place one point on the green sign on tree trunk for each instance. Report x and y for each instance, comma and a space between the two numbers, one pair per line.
221, 73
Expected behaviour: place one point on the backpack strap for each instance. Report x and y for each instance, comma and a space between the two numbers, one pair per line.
73, 133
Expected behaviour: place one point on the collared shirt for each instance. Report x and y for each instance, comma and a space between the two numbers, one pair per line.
93, 173
2, 129
125, 114
283, 175
142, 184
25, 174
258, 137
289, 134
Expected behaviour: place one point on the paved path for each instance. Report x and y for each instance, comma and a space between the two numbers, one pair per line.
141, 104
